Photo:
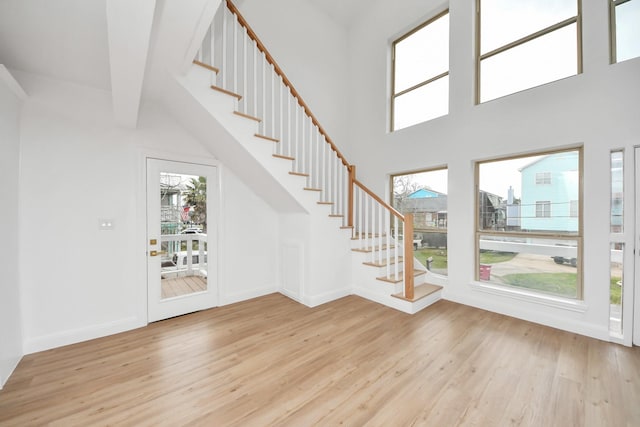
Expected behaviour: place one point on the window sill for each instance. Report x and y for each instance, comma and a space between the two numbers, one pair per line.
535, 298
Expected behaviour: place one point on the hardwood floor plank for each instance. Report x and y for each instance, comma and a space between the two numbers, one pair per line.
272, 361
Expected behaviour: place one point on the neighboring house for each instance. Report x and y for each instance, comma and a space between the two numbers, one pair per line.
492, 214
171, 189
428, 206
550, 193
513, 211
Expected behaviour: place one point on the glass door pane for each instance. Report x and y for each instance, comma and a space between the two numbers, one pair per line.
183, 231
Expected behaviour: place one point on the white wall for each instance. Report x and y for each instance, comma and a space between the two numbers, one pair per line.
311, 48
598, 109
249, 235
79, 282
10, 318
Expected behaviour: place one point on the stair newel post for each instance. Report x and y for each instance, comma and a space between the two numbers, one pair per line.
352, 184
408, 256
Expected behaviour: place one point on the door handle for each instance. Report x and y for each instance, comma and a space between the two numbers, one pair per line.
156, 253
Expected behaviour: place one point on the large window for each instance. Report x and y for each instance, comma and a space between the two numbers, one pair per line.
424, 194
420, 89
625, 29
529, 236
526, 43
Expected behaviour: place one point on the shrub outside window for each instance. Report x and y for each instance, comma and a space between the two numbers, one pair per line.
526, 43
420, 83
529, 236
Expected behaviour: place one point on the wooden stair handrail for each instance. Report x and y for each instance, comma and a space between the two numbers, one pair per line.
379, 200
286, 81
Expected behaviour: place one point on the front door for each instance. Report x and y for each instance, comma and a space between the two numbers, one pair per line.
181, 238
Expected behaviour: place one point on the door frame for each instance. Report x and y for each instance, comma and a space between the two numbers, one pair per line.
141, 299
635, 186
159, 308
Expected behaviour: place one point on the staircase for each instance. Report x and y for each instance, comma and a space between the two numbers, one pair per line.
247, 94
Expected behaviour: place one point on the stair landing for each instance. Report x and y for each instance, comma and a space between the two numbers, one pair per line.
419, 292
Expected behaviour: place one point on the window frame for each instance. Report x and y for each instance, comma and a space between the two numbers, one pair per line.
417, 86
543, 208
543, 178
556, 235
613, 50
479, 57
574, 209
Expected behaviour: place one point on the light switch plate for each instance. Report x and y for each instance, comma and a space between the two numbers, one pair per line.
105, 224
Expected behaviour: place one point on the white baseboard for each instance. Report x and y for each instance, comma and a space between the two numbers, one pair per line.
59, 339
243, 296
290, 295
8, 369
535, 316
316, 300
384, 299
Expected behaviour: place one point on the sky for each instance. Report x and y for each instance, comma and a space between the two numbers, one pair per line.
494, 178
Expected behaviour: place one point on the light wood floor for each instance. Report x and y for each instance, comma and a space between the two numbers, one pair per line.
182, 286
271, 361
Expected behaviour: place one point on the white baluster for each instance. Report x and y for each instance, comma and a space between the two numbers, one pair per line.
273, 101
212, 46
235, 53
288, 123
245, 70
317, 159
224, 67
255, 78
312, 152
366, 216
212, 50
396, 252
360, 219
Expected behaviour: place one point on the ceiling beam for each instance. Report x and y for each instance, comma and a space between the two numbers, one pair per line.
129, 26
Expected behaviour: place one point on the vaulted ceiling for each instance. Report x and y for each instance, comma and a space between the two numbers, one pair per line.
345, 12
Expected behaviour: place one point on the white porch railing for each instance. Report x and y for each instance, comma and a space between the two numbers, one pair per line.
248, 70
181, 262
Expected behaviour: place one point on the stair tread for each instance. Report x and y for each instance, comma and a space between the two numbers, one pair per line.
383, 263
299, 174
372, 248
207, 66
281, 156
247, 116
226, 92
419, 292
268, 138
400, 276
367, 236
312, 189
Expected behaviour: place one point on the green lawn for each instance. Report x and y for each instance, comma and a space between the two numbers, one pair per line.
492, 257
561, 284
615, 290
439, 257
